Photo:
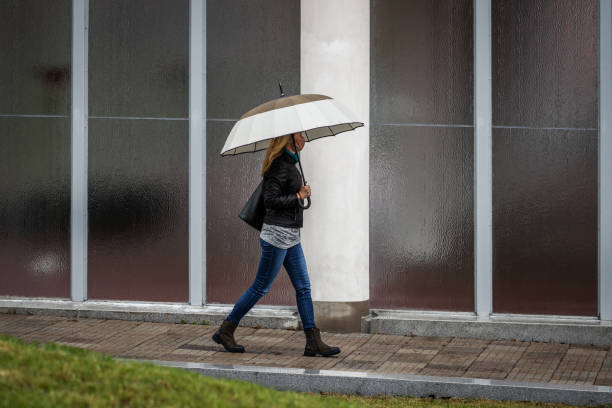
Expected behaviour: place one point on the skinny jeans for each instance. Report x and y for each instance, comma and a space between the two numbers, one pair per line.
269, 264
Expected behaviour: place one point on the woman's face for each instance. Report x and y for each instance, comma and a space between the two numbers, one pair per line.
299, 141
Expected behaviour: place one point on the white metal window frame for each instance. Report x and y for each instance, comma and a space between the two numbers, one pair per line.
78, 196
483, 163
197, 152
605, 162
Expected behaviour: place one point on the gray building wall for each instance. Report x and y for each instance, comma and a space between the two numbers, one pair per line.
545, 148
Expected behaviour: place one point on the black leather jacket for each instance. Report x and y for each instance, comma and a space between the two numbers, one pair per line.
281, 183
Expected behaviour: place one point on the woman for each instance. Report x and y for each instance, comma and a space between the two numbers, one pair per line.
280, 245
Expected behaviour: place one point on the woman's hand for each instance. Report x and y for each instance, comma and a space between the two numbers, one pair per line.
304, 192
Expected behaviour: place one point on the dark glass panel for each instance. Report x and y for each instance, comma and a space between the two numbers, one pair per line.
545, 63
422, 61
545, 57
545, 221
232, 246
250, 46
422, 218
138, 210
421, 178
35, 41
139, 58
35, 207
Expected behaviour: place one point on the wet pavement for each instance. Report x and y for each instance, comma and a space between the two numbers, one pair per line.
515, 361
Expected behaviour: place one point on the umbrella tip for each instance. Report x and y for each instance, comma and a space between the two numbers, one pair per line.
280, 86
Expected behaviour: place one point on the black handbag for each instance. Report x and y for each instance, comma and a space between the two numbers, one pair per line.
254, 210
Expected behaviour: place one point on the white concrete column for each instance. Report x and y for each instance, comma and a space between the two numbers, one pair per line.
335, 61
605, 160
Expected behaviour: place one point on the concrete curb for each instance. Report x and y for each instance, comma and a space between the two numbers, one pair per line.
557, 330
268, 317
359, 383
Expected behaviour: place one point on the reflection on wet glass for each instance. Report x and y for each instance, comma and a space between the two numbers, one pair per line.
35, 54
248, 46
421, 212
35, 207
422, 52
232, 257
545, 58
138, 58
421, 178
138, 174
545, 221
138, 210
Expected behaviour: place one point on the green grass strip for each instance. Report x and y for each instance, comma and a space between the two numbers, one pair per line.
52, 375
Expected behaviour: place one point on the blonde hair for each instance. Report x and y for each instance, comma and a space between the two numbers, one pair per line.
275, 149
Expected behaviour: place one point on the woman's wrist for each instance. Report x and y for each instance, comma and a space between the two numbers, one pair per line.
299, 196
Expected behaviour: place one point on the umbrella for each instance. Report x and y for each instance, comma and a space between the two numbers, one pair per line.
314, 115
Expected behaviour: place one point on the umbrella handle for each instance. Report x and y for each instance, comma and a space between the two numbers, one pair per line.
297, 152
304, 206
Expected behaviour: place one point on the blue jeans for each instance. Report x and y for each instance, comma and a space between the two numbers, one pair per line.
270, 263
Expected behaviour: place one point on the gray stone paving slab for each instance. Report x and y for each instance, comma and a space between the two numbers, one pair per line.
580, 365
497, 360
166, 342
127, 338
63, 328
605, 373
539, 362
14, 325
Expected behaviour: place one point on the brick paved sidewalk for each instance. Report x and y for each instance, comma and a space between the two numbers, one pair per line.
436, 356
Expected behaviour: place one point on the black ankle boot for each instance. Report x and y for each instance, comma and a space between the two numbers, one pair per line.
314, 344
225, 336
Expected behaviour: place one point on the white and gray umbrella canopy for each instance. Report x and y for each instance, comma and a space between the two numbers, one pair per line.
314, 115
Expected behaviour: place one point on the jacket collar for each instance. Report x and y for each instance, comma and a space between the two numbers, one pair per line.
287, 157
